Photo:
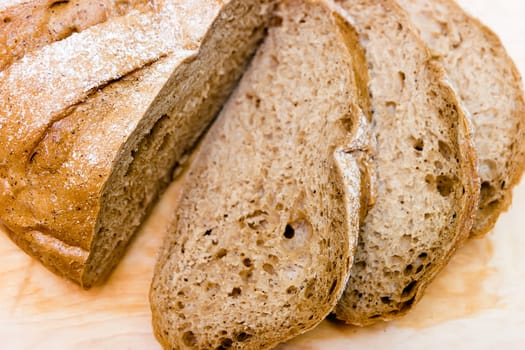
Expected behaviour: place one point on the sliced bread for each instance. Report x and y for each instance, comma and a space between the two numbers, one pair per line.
29, 25
93, 125
489, 84
424, 168
264, 233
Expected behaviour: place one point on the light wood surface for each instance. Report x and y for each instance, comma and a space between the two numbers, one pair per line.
478, 301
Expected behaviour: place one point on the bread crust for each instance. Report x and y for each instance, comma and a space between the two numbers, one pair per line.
29, 25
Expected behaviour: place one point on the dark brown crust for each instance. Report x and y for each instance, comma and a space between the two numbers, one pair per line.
49, 197
64, 260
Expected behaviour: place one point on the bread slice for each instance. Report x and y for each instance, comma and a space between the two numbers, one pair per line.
424, 165
94, 125
264, 233
29, 25
489, 84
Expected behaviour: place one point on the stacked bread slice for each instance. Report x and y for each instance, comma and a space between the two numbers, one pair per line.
261, 162
424, 166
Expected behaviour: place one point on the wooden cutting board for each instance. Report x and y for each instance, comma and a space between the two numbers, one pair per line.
478, 301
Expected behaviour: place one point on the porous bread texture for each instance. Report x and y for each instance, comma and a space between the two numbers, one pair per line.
490, 86
30, 25
101, 145
263, 237
424, 167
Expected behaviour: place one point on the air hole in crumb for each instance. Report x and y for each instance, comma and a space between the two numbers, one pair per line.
391, 107
212, 288
332, 287
289, 232
360, 265
180, 305
407, 304
246, 275
236, 291
423, 255
419, 269
221, 253
444, 185
291, 290
269, 269
58, 3
408, 269
247, 262
348, 124
444, 149
402, 78
301, 231
189, 339
487, 191
243, 336
7, 20
276, 21
408, 289
493, 204
227, 343
274, 259
309, 289
208, 232
419, 144
386, 300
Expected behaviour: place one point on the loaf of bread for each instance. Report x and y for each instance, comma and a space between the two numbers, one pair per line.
424, 165
264, 234
92, 126
490, 86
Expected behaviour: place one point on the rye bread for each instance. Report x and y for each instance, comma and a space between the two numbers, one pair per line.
92, 126
424, 169
490, 86
264, 233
